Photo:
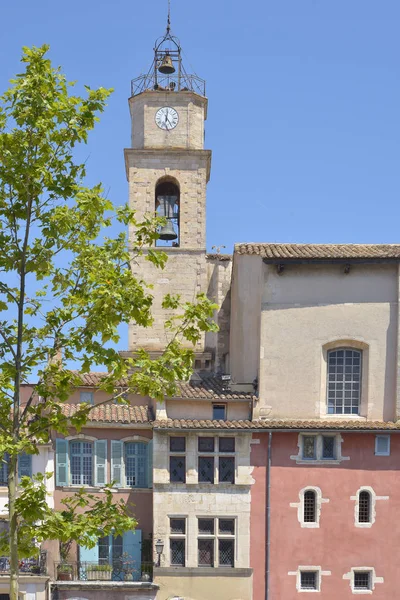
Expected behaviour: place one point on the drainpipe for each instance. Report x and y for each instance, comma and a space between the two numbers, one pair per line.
268, 517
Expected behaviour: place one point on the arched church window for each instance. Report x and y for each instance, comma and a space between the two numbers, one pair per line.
167, 203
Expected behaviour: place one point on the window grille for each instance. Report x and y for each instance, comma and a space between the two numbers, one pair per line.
344, 381
227, 444
177, 552
226, 470
219, 412
177, 469
226, 553
206, 526
178, 526
226, 526
328, 447
206, 444
362, 580
135, 464
310, 503
309, 447
206, 469
308, 580
206, 553
177, 444
364, 507
81, 454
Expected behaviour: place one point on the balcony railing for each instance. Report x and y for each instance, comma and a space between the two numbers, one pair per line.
93, 571
27, 566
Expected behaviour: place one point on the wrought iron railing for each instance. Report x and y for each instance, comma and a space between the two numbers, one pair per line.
27, 566
97, 571
171, 83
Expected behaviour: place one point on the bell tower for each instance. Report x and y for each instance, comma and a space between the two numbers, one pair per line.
167, 170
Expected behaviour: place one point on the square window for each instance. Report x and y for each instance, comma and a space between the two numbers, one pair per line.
206, 553
226, 469
362, 580
328, 447
219, 412
206, 526
206, 444
178, 526
206, 469
308, 580
382, 445
177, 469
309, 447
86, 397
227, 444
177, 444
226, 526
226, 550
177, 553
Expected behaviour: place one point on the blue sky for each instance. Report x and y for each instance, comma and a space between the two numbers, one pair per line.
304, 98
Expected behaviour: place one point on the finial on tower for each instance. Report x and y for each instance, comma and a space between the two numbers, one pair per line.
169, 17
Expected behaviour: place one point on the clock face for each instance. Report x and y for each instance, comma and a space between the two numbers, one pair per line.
167, 118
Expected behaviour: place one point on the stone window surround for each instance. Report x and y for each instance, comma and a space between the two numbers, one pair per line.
303, 568
374, 579
177, 536
319, 461
387, 436
374, 498
216, 536
300, 507
216, 454
351, 343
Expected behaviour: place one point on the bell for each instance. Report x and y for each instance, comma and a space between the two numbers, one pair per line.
167, 232
167, 67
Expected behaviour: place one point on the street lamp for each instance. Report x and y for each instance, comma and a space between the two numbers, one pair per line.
159, 550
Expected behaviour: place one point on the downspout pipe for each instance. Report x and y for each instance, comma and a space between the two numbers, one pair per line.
268, 518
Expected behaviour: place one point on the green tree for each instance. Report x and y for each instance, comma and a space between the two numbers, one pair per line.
66, 285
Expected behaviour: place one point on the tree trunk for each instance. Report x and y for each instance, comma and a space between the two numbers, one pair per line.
12, 490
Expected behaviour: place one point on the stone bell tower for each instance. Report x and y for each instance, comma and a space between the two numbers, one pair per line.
168, 169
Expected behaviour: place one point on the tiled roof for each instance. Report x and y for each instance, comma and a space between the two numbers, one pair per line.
281, 424
222, 257
203, 386
113, 413
320, 251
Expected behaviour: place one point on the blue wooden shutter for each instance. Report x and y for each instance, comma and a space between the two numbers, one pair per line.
150, 464
24, 465
100, 462
116, 462
132, 546
62, 467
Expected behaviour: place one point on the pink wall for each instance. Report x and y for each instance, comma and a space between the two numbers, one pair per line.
259, 454
337, 545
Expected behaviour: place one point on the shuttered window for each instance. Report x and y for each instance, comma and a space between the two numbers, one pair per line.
81, 461
136, 464
24, 467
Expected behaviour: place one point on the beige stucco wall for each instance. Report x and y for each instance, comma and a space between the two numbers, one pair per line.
219, 275
189, 133
195, 409
310, 308
199, 587
30, 587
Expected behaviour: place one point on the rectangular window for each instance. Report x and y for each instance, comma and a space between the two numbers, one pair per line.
216, 542
226, 469
227, 444
382, 445
177, 541
177, 444
206, 469
81, 460
309, 447
136, 464
344, 381
328, 447
308, 580
177, 469
206, 444
362, 580
219, 412
4, 469
86, 397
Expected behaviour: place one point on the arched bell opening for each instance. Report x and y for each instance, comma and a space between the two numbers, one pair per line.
167, 205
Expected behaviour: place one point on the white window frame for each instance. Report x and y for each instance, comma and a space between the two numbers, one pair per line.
374, 579
380, 436
374, 498
218, 536
216, 454
89, 394
300, 507
305, 568
299, 458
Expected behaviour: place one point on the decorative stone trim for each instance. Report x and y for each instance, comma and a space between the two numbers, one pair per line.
136, 438
374, 579
303, 568
374, 498
300, 507
319, 460
81, 437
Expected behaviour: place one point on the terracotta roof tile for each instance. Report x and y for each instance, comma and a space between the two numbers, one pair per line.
320, 251
113, 413
272, 424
